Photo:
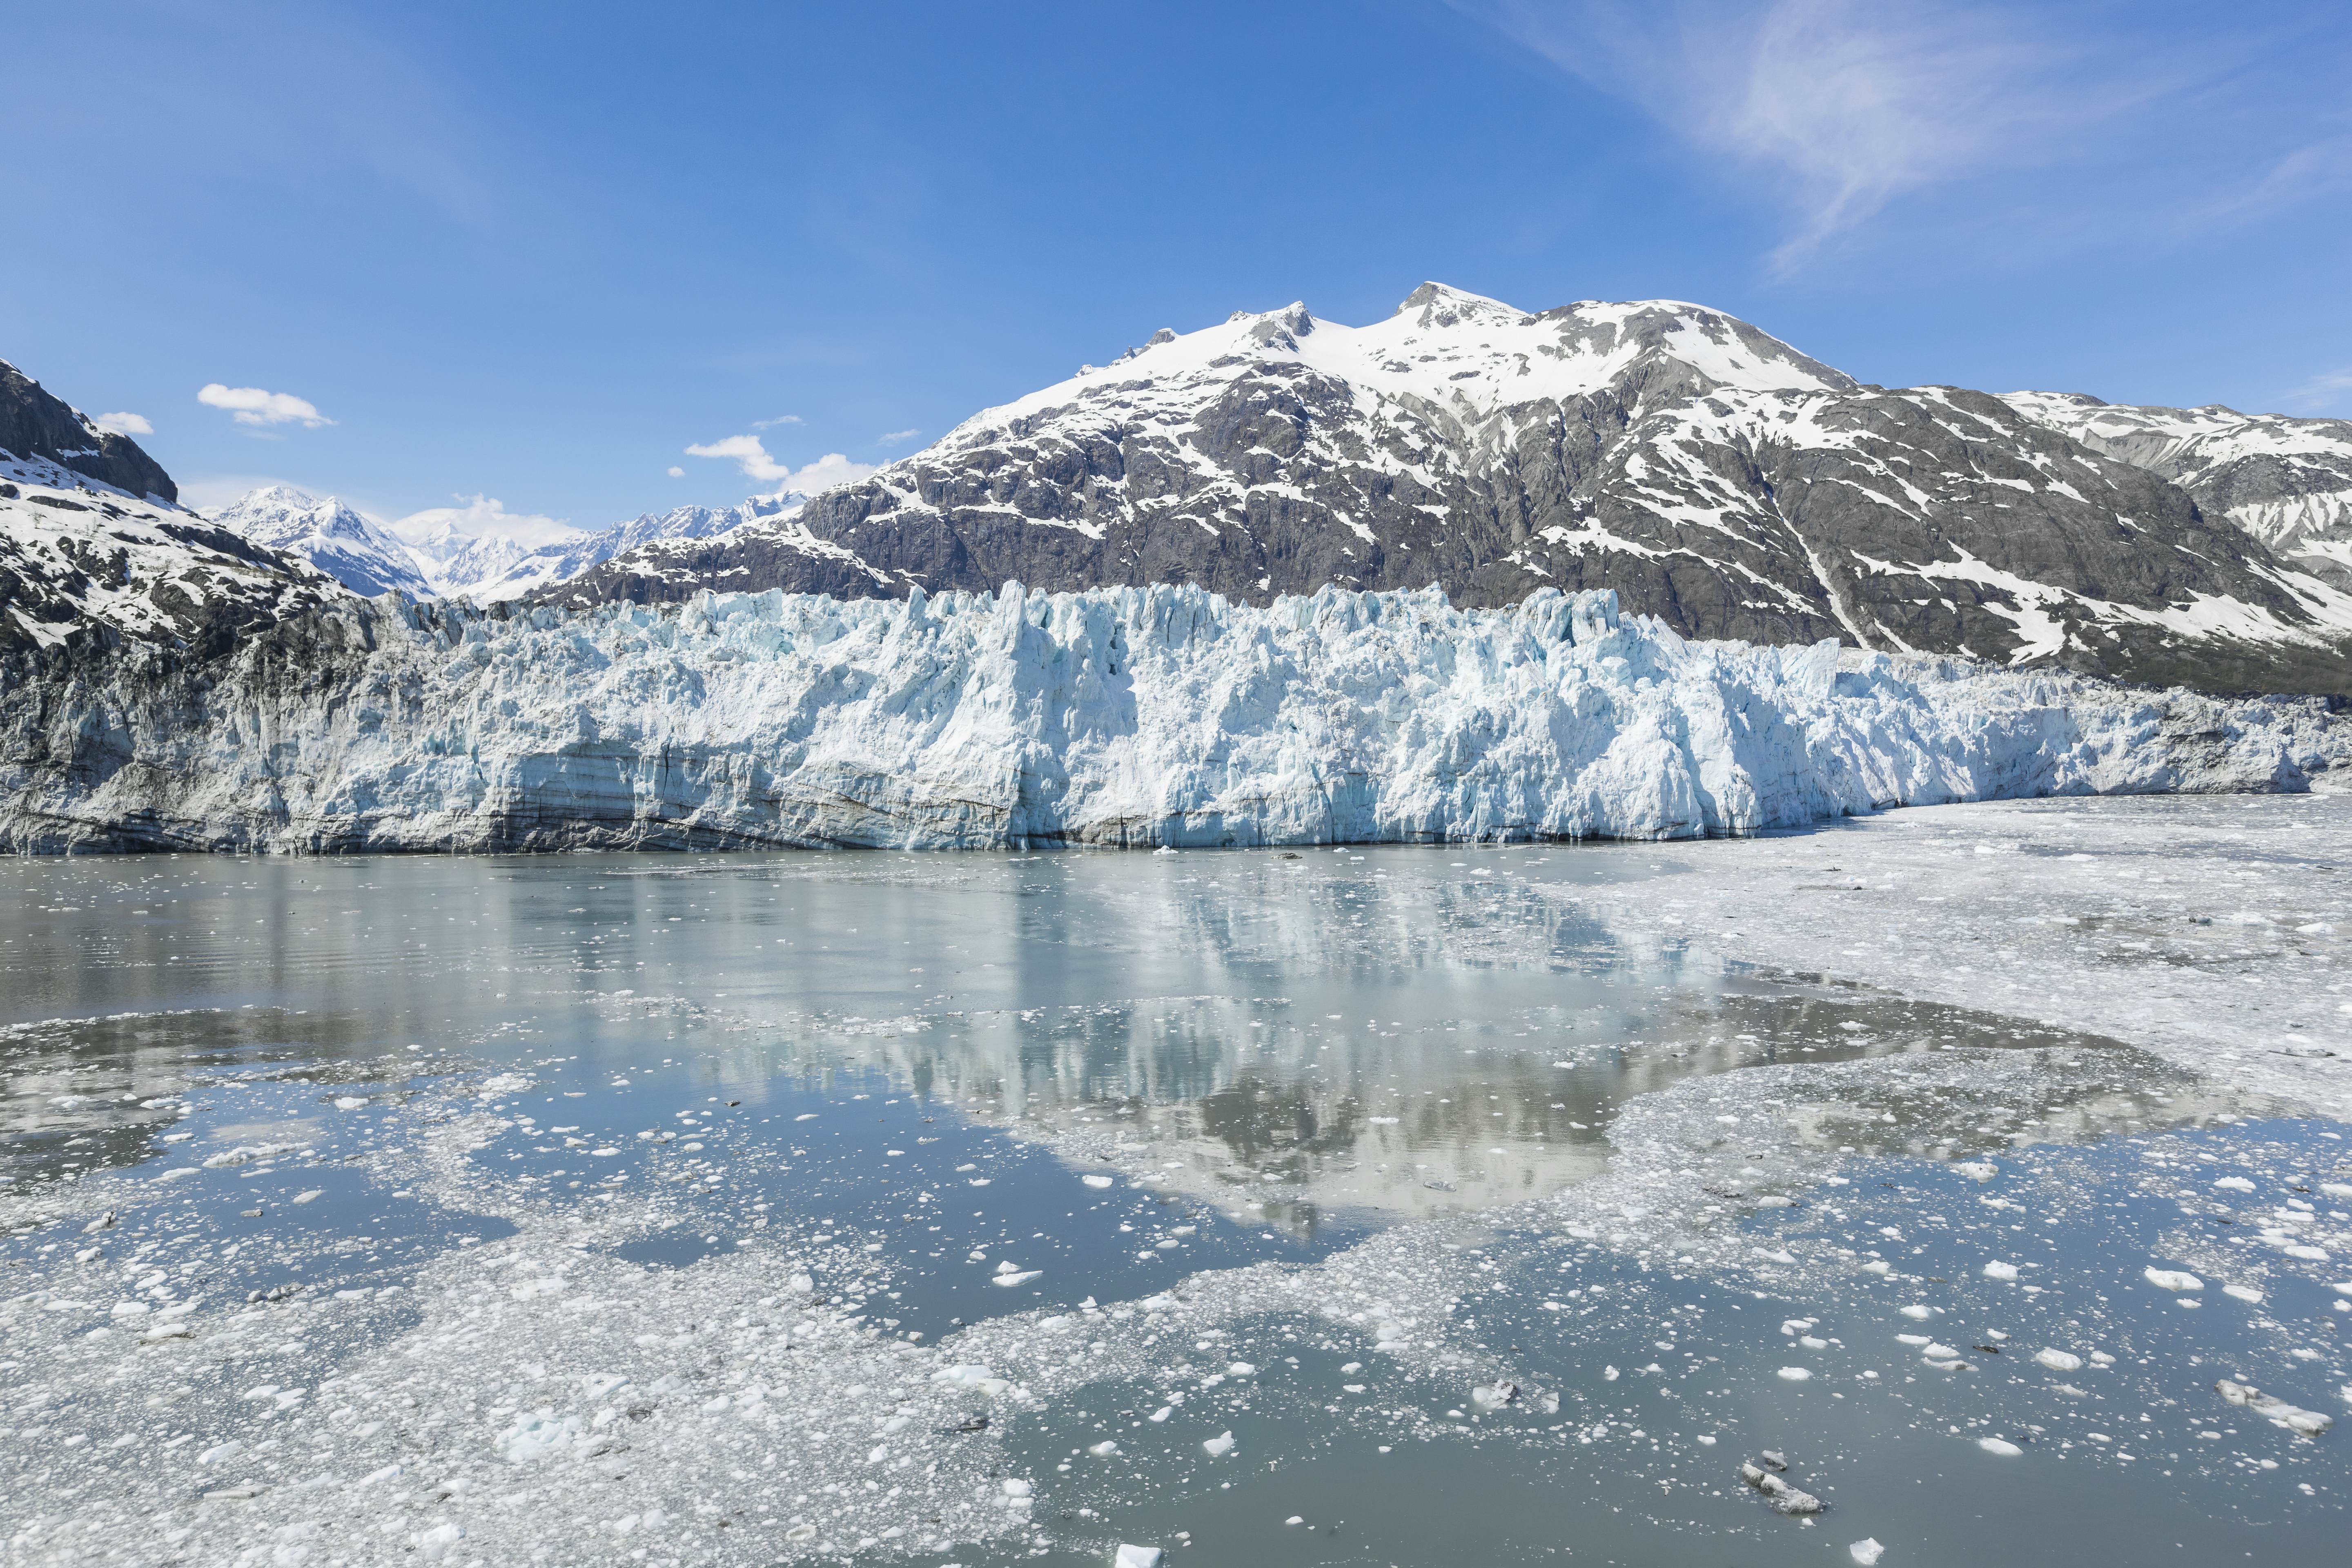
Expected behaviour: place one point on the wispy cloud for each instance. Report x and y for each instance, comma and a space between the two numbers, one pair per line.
779, 419
1841, 107
251, 405
476, 516
2324, 391
750, 454
893, 438
123, 424
675, 472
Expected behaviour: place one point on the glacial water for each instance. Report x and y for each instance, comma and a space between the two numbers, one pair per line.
1382, 1206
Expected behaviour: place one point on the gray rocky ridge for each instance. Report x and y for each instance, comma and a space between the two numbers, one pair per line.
1714, 476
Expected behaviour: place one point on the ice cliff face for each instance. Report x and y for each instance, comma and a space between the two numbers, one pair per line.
328, 534
1714, 477
2286, 482
1118, 716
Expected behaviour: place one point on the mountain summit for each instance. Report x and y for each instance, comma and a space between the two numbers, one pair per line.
1716, 477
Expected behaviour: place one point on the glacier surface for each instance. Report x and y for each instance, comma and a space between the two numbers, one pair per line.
1131, 717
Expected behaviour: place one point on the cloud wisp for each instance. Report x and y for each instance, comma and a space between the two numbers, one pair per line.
123, 424
750, 455
2329, 391
896, 438
779, 419
250, 406
1842, 107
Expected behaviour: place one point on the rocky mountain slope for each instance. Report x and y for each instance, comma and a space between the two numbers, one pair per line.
34, 424
93, 545
1713, 476
2286, 482
1123, 716
328, 534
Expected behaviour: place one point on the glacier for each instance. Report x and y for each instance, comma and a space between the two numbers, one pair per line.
1121, 717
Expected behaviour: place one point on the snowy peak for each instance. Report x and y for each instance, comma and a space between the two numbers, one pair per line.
333, 537
1705, 471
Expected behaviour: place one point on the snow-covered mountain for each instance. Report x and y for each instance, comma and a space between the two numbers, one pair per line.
560, 563
92, 541
328, 534
1121, 716
2286, 482
1712, 475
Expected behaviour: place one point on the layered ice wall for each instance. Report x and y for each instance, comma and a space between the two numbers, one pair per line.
1129, 717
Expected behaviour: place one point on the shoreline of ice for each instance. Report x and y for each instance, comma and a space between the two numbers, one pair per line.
1127, 718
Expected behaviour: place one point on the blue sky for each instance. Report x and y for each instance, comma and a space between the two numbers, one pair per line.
534, 254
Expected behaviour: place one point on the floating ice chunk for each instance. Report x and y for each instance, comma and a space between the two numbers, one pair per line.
168, 1332
2001, 1445
599, 1385
305, 1197
1018, 1489
1998, 1270
1162, 1414
535, 1436
2243, 1292
435, 1544
2057, 1360
1136, 1556
1018, 1276
1099, 1182
1775, 1201
219, 1452
2278, 1412
1866, 1551
1939, 1352
1796, 1373
1784, 1497
376, 1477
1494, 1395
1218, 1446
1241, 1369
1104, 1449
129, 1310
2174, 1279
2336, 1189
2235, 1184
351, 1101
1915, 1310
1978, 1170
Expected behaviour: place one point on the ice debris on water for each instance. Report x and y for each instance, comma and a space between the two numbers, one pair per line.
2001, 1445
1867, 1552
1218, 1446
536, 1436
2058, 1360
2174, 1279
1784, 1497
2278, 1412
1129, 1556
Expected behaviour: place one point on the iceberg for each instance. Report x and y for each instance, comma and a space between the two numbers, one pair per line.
1114, 717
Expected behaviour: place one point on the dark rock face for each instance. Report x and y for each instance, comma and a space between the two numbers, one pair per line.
34, 424
1714, 476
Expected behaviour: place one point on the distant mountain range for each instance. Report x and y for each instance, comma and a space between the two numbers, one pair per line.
1716, 477
369, 559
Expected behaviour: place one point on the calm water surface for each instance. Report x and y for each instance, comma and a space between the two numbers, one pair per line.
621, 1204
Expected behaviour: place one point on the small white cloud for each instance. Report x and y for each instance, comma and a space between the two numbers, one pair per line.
675, 472
779, 419
892, 438
124, 425
252, 405
477, 516
750, 455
